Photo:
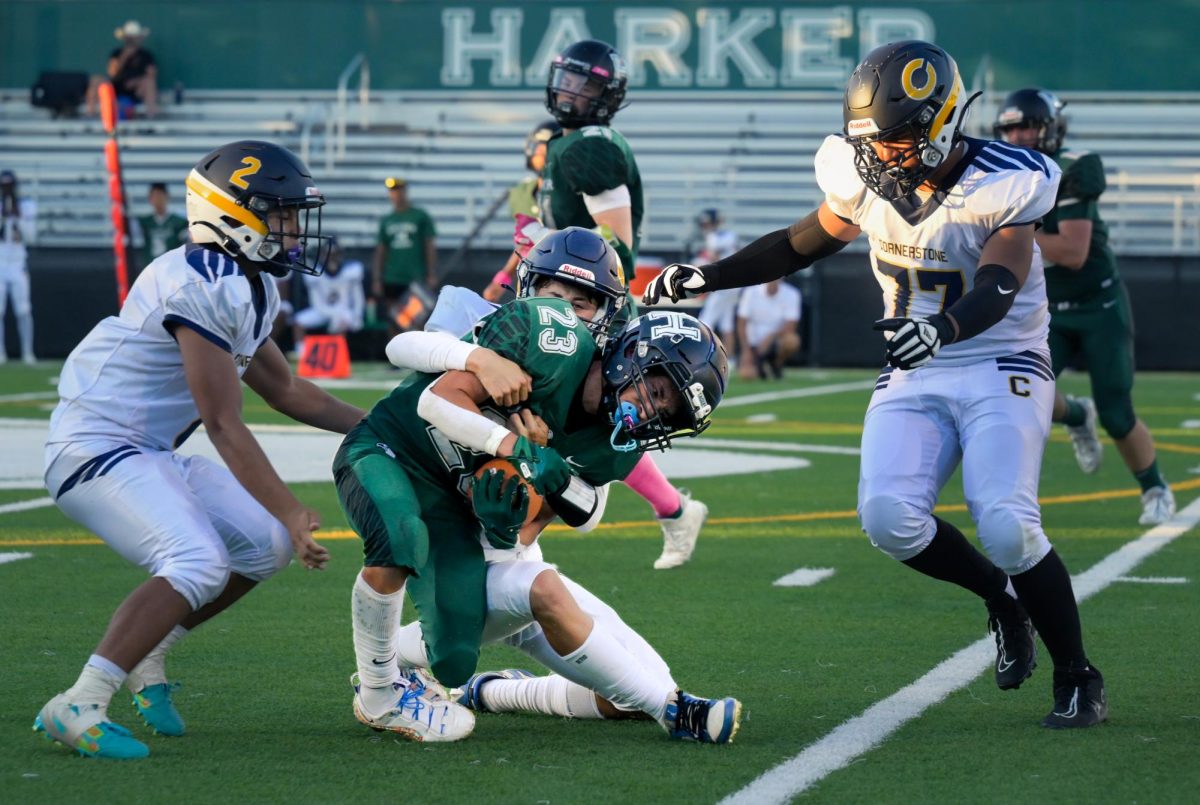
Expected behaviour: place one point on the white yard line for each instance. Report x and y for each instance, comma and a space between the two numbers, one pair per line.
5, 558
29, 395
813, 391
1154, 579
804, 577
26, 505
864, 732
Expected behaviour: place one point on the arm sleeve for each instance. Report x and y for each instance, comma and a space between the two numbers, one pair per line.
426, 351
200, 307
594, 164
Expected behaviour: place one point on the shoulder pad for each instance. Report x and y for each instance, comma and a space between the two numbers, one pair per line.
1013, 196
594, 163
836, 176
1083, 177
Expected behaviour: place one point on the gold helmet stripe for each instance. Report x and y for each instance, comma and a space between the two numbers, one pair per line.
198, 185
939, 120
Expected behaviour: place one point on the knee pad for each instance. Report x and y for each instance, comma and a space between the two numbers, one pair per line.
895, 526
1116, 414
199, 575
1013, 543
264, 553
454, 666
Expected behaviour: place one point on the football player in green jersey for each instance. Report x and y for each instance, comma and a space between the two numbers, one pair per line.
531, 606
403, 474
1089, 306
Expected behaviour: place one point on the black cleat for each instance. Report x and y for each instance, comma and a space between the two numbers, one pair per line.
1016, 649
1079, 700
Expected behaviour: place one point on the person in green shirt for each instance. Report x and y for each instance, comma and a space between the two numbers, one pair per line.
403, 476
162, 230
406, 250
1090, 315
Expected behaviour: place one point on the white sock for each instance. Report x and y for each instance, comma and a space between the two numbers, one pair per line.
410, 647
549, 695
605, 666
25, 331
152, 670
376, 619
100, 679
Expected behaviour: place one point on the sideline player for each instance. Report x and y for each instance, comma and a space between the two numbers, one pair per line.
951, 222
523, 202
1089, 305
16, 227
402, 478
138, 385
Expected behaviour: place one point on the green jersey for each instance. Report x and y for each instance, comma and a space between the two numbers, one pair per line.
589, 452
161, 235
404, 234
542, 336
1078, 198
588, 162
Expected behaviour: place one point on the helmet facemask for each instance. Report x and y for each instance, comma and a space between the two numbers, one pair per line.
889, 178
692, 416
575, 80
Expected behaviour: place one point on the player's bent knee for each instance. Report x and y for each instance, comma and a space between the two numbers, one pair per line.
895, 526
1116, 416
1010, 541
549, 597
510, 587
454, 666
198, 579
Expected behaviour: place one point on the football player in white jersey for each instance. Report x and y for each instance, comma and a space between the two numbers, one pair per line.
951, 223
195, 323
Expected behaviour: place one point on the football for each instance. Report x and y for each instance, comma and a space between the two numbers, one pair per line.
506, 467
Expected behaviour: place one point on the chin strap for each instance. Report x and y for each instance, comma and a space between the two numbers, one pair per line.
625, 418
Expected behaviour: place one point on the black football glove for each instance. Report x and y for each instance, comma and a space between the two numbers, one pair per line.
501, 505
677, 281
916, 340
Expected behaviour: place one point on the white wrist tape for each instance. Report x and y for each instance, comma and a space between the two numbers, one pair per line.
471, 430
429, 351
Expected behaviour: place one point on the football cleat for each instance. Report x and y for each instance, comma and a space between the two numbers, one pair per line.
680, 533
154, 705
1085, 438
1016, 649
710, 721
470, 695
1079, 700
1158, 505
415, 715
421, 676
85, 729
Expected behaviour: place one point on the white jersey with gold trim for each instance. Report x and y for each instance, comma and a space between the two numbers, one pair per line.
125, 381
925, 258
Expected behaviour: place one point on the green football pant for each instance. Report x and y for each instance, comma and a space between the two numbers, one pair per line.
1101, 331
405, 520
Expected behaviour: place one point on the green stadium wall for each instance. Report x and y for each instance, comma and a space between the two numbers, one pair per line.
1075, 45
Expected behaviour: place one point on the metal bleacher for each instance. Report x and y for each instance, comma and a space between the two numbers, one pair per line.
748, 153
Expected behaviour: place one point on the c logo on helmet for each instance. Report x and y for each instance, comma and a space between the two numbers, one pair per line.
926, 89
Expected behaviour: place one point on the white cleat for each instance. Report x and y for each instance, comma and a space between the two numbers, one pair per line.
1085, 438
1158, 505
416, 715
680, 533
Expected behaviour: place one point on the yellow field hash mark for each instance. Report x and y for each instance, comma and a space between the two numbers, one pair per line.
345, 533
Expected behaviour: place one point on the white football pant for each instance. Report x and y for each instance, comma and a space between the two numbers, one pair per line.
186, 519
992, 416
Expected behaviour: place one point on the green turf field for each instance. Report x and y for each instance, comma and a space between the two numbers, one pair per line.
267, 703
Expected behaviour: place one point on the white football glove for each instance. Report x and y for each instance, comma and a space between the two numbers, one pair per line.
916, 340
678, 281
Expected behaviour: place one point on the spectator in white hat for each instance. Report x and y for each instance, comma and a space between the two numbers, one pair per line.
131, 69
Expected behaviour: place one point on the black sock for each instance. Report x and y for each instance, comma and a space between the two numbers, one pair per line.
949, 557
1045, 590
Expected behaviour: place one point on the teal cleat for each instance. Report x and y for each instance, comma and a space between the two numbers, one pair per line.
154, 705
83, 729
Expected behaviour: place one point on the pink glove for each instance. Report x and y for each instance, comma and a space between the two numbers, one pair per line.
527, 232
